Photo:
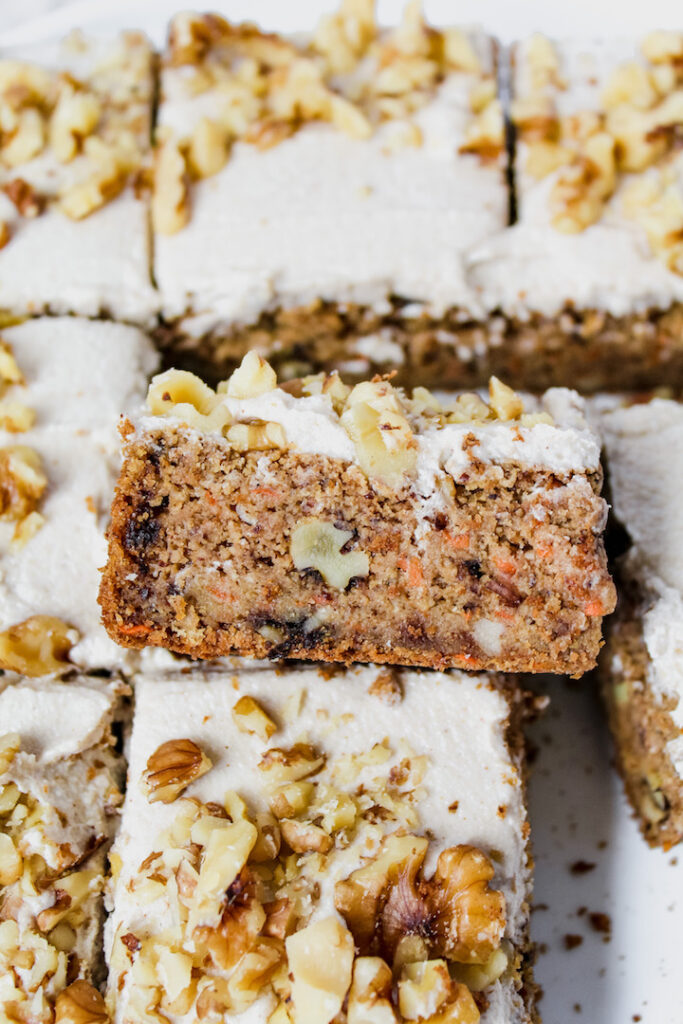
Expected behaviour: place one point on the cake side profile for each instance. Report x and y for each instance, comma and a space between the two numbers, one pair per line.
640, 667
590, 277
76, 124
295, 851
59, 798
342, 524
337, 180
63, 384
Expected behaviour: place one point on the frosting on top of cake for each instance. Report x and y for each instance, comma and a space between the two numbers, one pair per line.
454, 726
663, 636
75, 235
609, 266
322, 214
645, 467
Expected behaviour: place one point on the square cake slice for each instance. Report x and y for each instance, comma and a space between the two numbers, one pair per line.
309, 850
336, 524
316, 196
63, 384
59, 799
74, 140
642, 664
590, 278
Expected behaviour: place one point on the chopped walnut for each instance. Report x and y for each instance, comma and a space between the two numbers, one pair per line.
170, 202
22, 482
291, 765
321, 963
375, 421
256, 436
387, 686
28, 201
250, 717
370, 992
504, 402
172, 768
318, 545
80, 1003
253, 377
38, 646
455, 914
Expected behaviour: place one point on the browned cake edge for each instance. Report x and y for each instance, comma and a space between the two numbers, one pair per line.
641, 725
592, 349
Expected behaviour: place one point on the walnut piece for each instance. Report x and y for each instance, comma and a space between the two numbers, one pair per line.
170, 201
250, 717
38, 646
185, 397
370, 992
11, 861
375, 421
387, 686
22, 482
321, 962
257, 436
504, 402
292, 764
455, 914
171, 769
80, 1003
318, 545
253, 377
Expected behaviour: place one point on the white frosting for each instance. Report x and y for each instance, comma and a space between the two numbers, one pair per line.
533, 267
80, 373
79, 376
55, 719
644, 449
663, 636
311, 425
458, 720
322, 215
97, 265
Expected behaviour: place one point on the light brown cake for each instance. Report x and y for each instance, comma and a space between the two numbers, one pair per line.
344, 524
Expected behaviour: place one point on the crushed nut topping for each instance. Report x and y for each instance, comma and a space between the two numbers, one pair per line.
172, 768
22, 482
350, 74
634, 131
250, 717
38, 646
241, 887
49, 889
97, 126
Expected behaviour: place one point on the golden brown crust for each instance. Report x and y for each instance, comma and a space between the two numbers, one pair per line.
200, 562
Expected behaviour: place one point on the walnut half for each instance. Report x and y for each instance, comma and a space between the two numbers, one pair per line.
171, 769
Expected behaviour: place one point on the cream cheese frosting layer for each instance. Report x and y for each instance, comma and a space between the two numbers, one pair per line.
100, 264
534, 268
324, 216
311, 425
78, 373
645, 466
458, 721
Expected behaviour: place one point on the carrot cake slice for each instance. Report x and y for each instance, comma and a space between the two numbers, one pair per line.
75, 121
642, 665
324, 522
590, 278
315, 196
63, 384
59, 799
309, 851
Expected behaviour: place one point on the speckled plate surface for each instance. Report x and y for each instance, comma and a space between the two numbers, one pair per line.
599, 889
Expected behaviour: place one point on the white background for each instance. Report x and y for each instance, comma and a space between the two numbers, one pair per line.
577, 808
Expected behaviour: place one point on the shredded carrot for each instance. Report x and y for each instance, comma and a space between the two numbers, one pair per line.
504, 614
210, 498
460, 541
267, 492
505, 565
595, 607
544, 550
220, 594
413, 569
141, 630
468, 660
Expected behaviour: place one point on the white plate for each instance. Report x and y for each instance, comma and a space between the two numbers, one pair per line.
578, 811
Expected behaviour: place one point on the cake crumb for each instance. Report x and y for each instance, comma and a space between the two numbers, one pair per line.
582, 867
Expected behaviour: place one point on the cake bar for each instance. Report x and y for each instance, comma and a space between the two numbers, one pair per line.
289, 846
642, 665
315, 198
59, 797
590, 278
74, 141
64, 382
324, 522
